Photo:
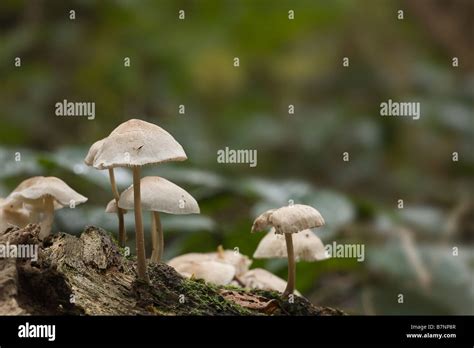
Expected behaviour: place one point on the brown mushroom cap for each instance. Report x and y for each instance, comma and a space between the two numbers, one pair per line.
307, 246
161, 195
136, 143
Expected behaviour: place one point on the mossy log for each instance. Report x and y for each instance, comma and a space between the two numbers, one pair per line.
88, 275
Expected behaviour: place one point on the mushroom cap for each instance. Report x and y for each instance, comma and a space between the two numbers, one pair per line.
211, 271
290, 219
240, 262
259, 278
186, 258
136, 143
32, 190
159, 194
307, 246
262, 222
112, 207
89, 160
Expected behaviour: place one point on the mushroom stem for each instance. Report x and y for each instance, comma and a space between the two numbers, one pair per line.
120, 212
156, 237
48, 215
140, 238
290, 286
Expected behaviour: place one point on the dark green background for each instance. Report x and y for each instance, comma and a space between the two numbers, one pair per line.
282, 62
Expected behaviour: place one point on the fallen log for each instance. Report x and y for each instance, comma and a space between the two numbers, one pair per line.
89, 275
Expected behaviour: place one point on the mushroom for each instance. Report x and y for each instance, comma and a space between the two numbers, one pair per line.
307, 246
259, 278
89, 161
159, 195
134, 144
289, 220
42, 196
211, 271
240, 262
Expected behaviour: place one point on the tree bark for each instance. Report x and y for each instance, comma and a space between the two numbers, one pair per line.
89, 275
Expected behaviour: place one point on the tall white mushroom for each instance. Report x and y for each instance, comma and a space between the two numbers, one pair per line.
89, 161
134, 144
159, 195
287, 221
42, 196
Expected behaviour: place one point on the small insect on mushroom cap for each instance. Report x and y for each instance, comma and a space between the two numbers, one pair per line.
137, 143
161, 195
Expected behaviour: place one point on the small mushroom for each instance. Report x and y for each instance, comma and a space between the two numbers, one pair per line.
89, 161
159, 195
287, 221
134, 144
211, 271
307, 246
240, 262
259, 278
41, 196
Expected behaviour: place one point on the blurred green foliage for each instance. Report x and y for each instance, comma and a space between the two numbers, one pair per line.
282, 62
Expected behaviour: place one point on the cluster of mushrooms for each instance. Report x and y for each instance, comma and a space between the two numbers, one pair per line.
136, 143
290, 236
133, 144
